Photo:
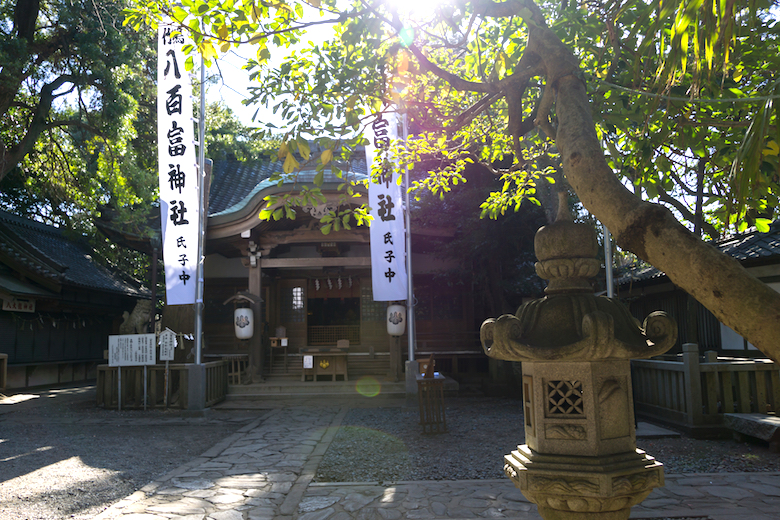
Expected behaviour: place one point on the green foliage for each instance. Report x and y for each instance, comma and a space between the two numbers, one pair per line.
227, 138
74, 106
682, 91
77, 114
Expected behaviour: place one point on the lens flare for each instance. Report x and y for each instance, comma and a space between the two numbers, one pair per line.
368, 386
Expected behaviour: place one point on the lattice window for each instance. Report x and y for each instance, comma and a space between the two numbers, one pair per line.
564, 398
293, 308
369, 309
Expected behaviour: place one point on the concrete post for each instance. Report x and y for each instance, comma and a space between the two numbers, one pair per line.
196, 386
693, 398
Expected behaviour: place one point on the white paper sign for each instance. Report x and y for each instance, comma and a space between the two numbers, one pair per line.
167, 344
388, 261
179, 189
19, 305
131, 350
308, 361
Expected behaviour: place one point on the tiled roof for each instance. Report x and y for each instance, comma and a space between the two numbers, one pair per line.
751, 245
46, 251
234, 183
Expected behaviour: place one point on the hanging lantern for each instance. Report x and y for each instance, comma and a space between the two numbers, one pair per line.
243, 320
396, 319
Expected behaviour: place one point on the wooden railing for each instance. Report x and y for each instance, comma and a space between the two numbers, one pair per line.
330, 334
216, 374
694, 394
453, 353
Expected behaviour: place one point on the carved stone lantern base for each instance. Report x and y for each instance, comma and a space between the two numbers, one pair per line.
580, 461
566, 487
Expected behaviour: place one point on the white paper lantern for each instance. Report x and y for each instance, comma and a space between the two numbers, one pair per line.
243, 320
396, 320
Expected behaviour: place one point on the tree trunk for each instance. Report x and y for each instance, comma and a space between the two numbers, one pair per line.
648, 230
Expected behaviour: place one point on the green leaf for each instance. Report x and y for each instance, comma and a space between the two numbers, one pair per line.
762, 225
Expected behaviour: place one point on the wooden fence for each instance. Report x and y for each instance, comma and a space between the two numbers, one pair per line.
216, 373
694, 393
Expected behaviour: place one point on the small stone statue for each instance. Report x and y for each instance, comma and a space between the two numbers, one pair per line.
137, 322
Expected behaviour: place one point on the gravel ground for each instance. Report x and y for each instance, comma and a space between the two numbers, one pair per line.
387, 444
62, 457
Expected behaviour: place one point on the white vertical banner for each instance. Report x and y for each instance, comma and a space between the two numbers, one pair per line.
385, 197
179, 194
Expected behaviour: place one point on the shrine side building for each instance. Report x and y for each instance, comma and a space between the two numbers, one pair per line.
316, 288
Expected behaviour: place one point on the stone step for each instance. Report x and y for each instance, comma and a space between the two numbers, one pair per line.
291, 387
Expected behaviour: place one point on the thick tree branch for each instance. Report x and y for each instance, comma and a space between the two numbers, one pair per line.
12, 155
456, 81
25, 17
650, 231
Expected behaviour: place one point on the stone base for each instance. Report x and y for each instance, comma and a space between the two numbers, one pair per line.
584, 488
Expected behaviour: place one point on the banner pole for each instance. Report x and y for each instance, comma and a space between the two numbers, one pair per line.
201, 216
608, 261
408, 222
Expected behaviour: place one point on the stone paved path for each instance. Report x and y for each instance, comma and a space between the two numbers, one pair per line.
265, 471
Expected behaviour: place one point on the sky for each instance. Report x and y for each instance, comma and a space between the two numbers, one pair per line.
233, 87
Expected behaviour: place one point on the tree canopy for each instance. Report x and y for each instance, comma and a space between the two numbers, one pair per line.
76, 103
677, 100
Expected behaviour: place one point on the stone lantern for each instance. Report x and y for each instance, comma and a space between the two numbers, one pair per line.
581, 460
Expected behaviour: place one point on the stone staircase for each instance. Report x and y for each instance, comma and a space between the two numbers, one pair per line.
292, 389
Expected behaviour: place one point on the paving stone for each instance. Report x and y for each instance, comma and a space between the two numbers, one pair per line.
323, 514
392, 495
658, 503
732, 492
696, 481
281, 476
772, 480
415, 503
683, 491
389, 514
227, 515
183, 506
475, 503
764, 489
261, 513
201, 493
227, 498
257, 492
143, 516
514, 496
492, 512
460, 512
244, 481
420, 514
355, 501
367, 513
484, 495
315, 503
281, 487
438, 508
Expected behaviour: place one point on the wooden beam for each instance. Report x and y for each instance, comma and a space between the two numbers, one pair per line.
304, 235
342, 261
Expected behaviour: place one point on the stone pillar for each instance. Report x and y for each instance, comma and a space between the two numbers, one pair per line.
580, 460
